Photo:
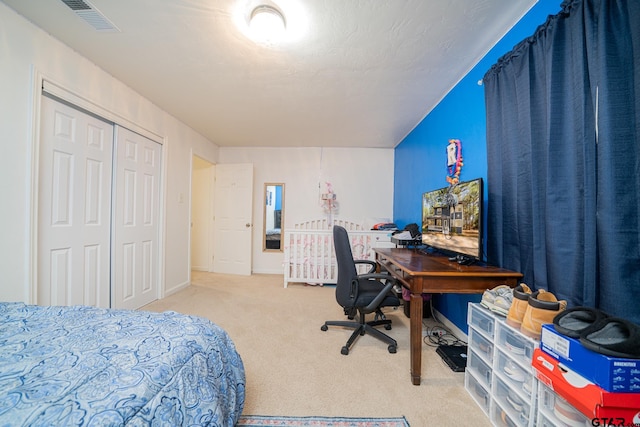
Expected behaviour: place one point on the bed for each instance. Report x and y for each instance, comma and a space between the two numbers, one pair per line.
89, 366
309, 256
273, 235
273, 238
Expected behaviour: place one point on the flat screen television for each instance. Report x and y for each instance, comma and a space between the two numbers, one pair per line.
452, 220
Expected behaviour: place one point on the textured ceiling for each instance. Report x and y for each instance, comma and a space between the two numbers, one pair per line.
354, 73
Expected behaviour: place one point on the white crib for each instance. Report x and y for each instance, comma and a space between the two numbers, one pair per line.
309, 256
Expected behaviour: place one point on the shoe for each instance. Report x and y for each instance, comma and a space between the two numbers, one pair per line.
613, 337
497, 299
519, 305
543, 307
512, 371
506, 420
577, 321
503, 303
482, 395
514, 345
518, 405
567, 414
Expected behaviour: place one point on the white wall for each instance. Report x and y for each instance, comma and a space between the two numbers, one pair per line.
26, 50
201, 214
362, 180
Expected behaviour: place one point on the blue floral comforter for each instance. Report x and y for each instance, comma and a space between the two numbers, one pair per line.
98, 367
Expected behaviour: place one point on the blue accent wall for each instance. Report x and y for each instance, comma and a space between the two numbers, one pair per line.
420, 159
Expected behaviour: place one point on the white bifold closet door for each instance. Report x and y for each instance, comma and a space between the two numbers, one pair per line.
98, 210
135, 275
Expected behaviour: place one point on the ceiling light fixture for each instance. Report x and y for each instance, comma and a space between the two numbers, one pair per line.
267, 24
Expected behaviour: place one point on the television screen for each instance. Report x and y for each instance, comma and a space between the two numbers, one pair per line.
452, 219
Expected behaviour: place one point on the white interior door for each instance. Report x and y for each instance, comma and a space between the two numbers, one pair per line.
136, 228
74, 209
233, 218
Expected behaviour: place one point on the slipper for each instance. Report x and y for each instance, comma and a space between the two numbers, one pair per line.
577, 321
614, 337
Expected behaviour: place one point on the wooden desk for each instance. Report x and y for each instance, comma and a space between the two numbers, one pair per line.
432, 273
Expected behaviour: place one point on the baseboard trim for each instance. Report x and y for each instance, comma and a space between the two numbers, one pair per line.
450, 325
268, 271
175, 289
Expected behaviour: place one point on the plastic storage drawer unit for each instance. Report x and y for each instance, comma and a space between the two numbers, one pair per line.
478, 392
482, 346
479, 369
482, 320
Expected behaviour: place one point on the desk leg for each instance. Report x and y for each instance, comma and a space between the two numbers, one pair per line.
415, 321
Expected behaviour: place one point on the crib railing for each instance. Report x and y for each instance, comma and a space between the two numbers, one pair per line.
325, 225
309, 255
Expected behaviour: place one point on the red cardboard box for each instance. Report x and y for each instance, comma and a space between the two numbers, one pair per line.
601, 406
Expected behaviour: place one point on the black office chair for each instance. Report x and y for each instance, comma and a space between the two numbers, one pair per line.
361, 294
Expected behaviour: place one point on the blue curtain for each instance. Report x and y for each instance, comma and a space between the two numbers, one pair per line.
617, 67
563, 111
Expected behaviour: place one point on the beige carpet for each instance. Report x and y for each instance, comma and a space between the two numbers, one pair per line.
293, 368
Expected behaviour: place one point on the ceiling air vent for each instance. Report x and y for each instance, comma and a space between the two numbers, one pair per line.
92, 16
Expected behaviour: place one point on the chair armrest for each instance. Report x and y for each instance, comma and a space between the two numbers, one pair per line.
373, 264
377, 276
378, 299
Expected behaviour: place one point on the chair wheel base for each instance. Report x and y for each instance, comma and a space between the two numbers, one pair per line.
387, 327
392, 348
324, 327
344, 350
